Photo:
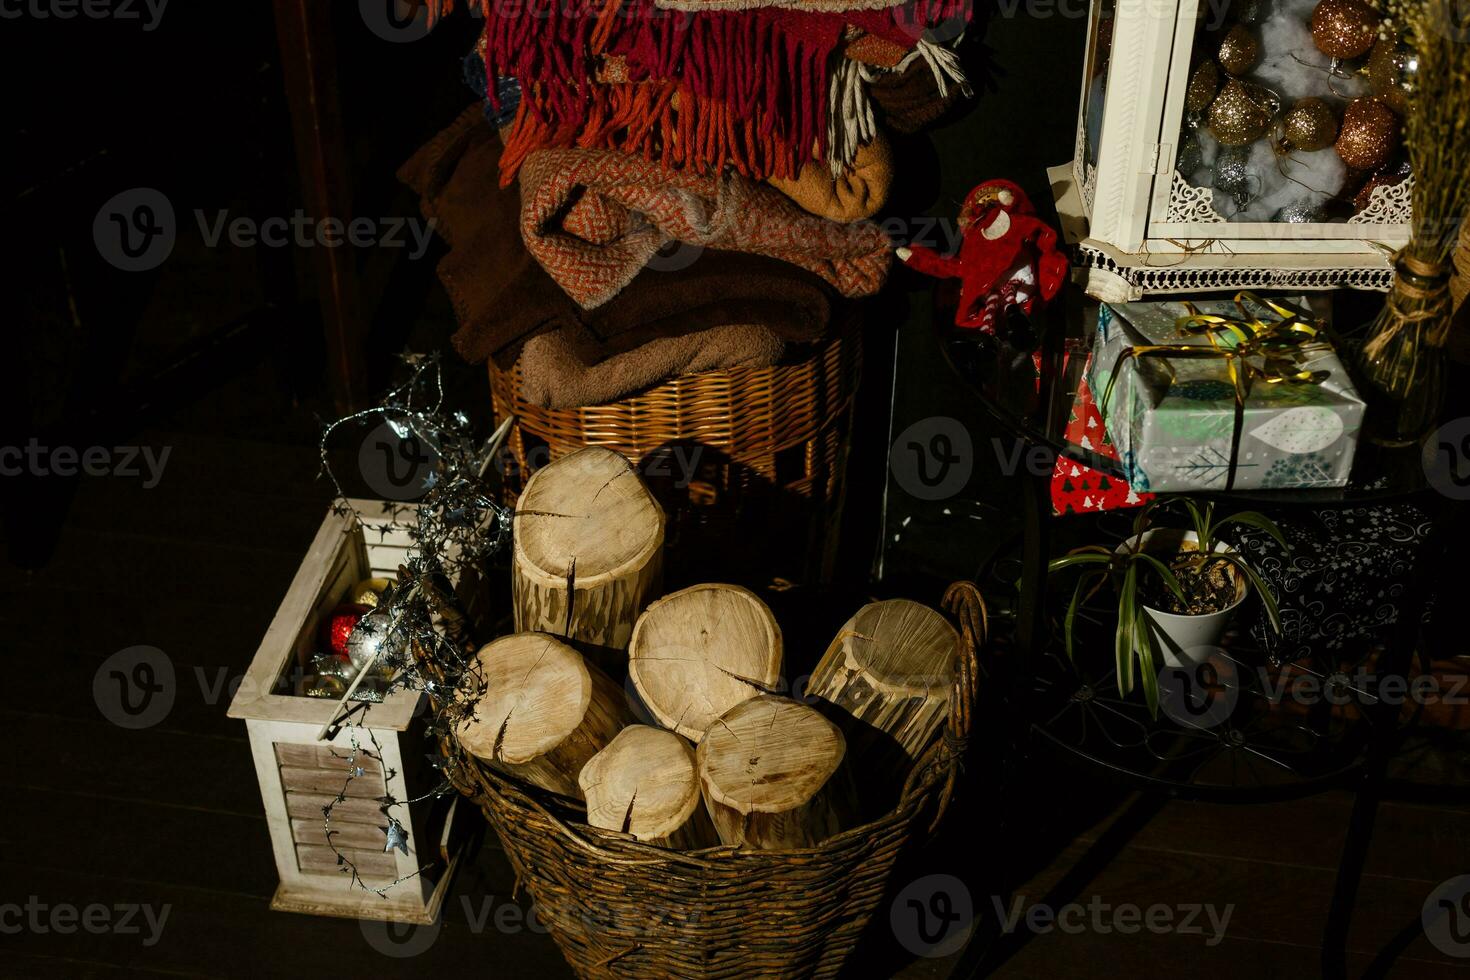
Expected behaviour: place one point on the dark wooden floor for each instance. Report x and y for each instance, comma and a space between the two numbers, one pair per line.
170, 816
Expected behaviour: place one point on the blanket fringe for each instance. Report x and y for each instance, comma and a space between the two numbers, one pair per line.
663, 121
751, 90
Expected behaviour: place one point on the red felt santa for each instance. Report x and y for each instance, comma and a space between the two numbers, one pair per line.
1007, 260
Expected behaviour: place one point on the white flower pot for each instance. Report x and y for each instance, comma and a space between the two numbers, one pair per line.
1184, 641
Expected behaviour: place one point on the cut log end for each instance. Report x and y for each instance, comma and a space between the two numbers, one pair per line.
773, 776
587, 514
543, 713
588, 551
697, 653
536, 693
644, 784
903, 646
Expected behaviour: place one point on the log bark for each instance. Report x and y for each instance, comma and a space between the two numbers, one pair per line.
588, 552
644, 783
773, 774
541, 711
697, 653
891, 669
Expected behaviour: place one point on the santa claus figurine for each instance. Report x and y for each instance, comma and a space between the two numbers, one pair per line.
1007, 261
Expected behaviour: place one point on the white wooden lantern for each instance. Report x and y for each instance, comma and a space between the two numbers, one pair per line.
300, 771
1139, 227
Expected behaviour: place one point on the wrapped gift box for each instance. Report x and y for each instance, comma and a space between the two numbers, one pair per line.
1344, 582
1079, 489
1173, 416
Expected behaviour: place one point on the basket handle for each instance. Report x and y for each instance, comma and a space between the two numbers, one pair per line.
964, 602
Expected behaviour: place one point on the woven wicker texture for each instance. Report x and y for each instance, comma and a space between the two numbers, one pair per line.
621, 909
778, 435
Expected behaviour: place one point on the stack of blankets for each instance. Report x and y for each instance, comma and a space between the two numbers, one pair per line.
656, 187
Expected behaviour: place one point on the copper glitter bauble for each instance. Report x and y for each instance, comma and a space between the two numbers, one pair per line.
1203, 86
1310, 125
1364, 197
1241, 113
1239, 50
1369, 134
1344, 28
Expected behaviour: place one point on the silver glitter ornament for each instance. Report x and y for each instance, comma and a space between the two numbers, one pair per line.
1234, 176
1191, 154
1302, 212
371, 636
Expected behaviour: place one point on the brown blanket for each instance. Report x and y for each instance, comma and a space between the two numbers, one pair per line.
594, 219
502, 296
553, 376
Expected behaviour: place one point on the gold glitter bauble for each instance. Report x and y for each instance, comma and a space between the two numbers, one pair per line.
1369, 134
368, 591
1241, 113
1247, 11
1239, 50
1390, 70
1310, 125
1203, 85
1344, 28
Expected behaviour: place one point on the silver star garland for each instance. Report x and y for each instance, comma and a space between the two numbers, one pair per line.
457, 526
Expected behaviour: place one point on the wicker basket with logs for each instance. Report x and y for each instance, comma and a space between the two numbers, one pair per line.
620, 907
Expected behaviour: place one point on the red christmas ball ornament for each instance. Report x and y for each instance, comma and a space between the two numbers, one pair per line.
338, 624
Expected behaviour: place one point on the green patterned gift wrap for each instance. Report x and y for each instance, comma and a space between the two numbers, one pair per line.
1174, 415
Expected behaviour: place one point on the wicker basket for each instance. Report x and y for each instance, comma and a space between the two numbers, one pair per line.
770, 446
619, 908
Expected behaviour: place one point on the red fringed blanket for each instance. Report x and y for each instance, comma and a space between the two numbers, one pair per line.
747, 89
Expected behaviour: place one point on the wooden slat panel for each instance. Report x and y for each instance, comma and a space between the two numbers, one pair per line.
321, 859
385, 560
323, 781
364, 835
320, 756
308, 806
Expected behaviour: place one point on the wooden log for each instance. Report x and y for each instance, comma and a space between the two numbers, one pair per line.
644, 783
773, 775
542, 711
891, 669
588, 555
699, 652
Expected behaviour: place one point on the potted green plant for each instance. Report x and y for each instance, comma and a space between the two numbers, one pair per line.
1177, 588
